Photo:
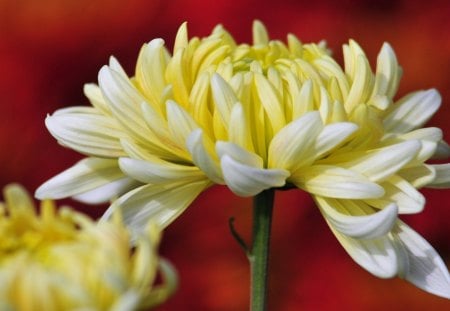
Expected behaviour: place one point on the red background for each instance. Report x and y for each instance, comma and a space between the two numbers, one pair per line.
50, 48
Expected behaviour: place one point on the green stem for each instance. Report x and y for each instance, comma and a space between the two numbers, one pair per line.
259, 257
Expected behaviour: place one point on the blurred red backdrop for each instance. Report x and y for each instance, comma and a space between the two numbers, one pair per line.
50, 48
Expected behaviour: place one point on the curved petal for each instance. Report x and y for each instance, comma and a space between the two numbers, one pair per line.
203, 156
239, 154
88, 133
418, 176
420, 264
124, 101
86, 175
412, 111
403, 194
442, 179
159, 172
292, 146
107, 192
378, 256
348, 220
161, 203
180, 123
335, 182
245, 180
382, 163
332, 136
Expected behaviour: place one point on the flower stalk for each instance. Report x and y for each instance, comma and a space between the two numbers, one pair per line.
259, 256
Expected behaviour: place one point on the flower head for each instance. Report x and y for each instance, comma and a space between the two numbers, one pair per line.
62, 260
259, 116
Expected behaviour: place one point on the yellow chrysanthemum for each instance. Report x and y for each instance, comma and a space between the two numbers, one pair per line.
62, 260
256, 117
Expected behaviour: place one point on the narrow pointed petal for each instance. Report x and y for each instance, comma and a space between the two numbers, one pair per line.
412, 111
420, 264
387, 76
377, 256
403, 194
107, 192
180, 123
95, 96
161, 203
203, 156
332, 136
270, 101
150, 68
245, 180
124, 101
86, 175
224, 97
292, 146
384, 162
159, 172
345, 219
335, 182
88, 133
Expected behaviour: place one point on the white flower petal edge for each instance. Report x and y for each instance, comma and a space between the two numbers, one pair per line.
86, 132
420, 264
84, 176
245, 180
336, 182
160, 202
412, 111
364, 226
161, 172
378, 256
107, 192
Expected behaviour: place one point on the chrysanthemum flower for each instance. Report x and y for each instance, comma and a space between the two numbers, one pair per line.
263, 116
62, 260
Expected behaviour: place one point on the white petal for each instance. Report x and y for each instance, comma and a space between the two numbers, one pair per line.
332, 136
270, 101
224, 97
107, 192
377, 256
180, 123
412, 111
161, 203
387, 76
382, 163
292, 146
335, 182
159, 172
247, 181
124, 101
402, 193
355, 221
90, 134
203, 156
95, 96
239, 154
420, 263
442, 179
86, 175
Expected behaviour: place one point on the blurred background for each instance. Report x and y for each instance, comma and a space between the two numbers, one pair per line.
50, 48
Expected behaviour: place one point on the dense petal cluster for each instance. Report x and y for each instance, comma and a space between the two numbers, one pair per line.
62, 260
259, 116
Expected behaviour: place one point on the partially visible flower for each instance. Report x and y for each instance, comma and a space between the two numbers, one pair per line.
261, 116
62, 260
